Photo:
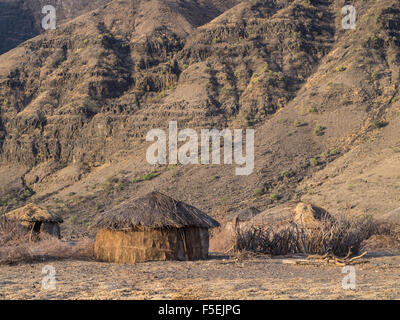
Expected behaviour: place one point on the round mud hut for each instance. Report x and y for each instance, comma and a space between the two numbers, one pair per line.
154, 227
36, 220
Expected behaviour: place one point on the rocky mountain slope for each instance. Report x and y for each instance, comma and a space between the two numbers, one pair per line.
76, 104
21, 20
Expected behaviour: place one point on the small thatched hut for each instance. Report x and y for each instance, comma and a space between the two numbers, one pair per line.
310, 216
36, 220
152, 227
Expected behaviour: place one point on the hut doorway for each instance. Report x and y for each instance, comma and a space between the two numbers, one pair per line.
35, 231
36, 227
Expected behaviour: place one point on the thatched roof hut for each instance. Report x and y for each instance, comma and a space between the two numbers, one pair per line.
239, 218
152, 227
244, 214
35, 219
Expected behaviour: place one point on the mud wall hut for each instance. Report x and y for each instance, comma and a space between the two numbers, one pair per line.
36, 220
154, 227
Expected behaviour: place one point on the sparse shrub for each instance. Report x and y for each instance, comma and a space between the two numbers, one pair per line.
380, 124
297, 123
373, 42
333, 152
217, 40
146, 177
249, 120
118, 187
314, 162
345, 101
318, 130
374, 75
113, 183
224, 201
274, 197
208, 85
72, 220
340, 69
150, 176
258, 192
284, 174
28, 193
312, 110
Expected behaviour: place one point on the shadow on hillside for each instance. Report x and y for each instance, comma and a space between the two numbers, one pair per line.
16, 26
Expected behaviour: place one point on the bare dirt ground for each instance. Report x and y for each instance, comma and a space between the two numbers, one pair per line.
218, 278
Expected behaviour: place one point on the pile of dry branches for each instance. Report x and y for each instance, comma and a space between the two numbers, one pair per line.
330, 258
338, 237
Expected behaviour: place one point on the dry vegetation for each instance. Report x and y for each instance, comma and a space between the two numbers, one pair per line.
17, 246
95, 76
338, 236
76, 104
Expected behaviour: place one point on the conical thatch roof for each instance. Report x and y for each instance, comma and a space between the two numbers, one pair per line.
244, 214
154, 210
32, 213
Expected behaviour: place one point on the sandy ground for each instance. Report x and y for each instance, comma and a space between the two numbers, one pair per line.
217, 278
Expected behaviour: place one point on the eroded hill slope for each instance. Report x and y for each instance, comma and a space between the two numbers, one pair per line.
75, 109
21, 20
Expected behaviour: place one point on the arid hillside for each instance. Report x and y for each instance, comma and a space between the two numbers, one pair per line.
21, 20
77, 102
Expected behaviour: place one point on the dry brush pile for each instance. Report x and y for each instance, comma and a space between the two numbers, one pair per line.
339, 236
